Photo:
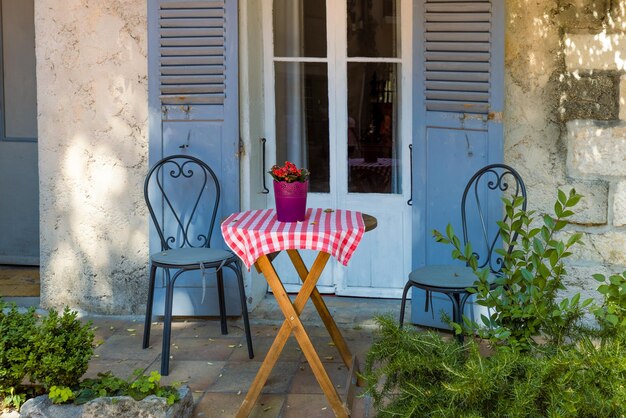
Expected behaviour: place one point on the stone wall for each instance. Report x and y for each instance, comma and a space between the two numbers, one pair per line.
93, 148
565, 96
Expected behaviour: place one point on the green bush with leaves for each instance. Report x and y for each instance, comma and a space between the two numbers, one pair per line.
16, 333
138, 386
574, 372
523, 297
61, 349
420, 374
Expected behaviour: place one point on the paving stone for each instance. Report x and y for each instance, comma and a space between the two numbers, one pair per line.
219, 405
307, 405
291, 351
125, 347
198, 375
238, 376
304, 380
213, 349
120, 368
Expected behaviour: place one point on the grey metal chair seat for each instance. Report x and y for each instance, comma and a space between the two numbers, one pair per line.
185, 233
208, 257
490, 182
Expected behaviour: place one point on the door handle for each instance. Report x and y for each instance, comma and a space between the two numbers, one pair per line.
410, 201
265, 189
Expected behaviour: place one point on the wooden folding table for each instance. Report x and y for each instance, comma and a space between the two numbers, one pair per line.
243, 231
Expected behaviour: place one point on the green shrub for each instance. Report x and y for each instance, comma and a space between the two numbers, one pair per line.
523, 303
138, 386
419, 374
61, 349
16, 333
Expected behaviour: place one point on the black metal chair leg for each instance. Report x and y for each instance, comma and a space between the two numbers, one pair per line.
403, 304
148, 321
167, 323
244, 310
221, 300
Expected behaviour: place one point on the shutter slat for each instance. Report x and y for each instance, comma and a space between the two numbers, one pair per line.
457, 86
458, 27
178, 13
458, 17
457, 95
191, 51
185, 60
193, 23
457, 66
192, 70
191, 88
457, 46
192, 79
188, 32
462, 107
457, 76
192, 5
194, 41
458, 36
457, 56
458, 7
217, 99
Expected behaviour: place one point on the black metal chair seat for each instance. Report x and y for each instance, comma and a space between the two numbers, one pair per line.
444, 278
193, 257
185, 227
490, 182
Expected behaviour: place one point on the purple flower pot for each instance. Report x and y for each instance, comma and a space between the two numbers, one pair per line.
290, 200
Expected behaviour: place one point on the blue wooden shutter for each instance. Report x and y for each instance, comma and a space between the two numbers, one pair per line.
458, 100
194, 109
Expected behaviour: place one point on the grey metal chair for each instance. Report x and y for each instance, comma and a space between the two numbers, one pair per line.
185, 233
490, 182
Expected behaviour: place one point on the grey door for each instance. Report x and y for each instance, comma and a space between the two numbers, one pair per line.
458, 102
19, 180
194, 110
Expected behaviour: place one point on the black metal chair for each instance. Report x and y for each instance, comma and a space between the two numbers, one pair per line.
492, 181
185, 232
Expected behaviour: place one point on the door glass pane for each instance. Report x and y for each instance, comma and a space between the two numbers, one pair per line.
373, 28
373, 154
299, 28
302, 119
18, 62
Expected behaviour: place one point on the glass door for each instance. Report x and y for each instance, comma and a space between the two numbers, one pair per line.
335, 72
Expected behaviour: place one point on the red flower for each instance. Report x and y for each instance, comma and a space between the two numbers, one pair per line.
289, 173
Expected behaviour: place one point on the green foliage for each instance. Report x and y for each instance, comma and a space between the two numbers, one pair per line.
612, 313
60, 394
60, 350
138, 387
522, 299
16, 333
419, 374
10, 399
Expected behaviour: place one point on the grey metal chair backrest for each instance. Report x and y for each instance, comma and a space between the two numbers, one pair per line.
490, 182
182, 194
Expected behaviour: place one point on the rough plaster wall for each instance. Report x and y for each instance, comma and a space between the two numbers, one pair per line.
537, 83
93, 148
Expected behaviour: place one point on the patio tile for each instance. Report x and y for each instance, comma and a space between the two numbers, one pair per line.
307, 405
304, 380
291, 351
206, 349
238, 376
219, 405
198, 375
125, 347
119, 368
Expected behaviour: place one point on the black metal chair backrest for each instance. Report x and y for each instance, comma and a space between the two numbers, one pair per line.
182, 194
490, 182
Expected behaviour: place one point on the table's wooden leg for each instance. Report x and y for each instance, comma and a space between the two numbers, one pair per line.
292, 312
322, 309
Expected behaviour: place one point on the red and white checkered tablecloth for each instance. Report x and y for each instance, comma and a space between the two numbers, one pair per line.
257, 232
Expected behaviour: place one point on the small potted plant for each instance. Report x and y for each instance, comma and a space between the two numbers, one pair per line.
291, 185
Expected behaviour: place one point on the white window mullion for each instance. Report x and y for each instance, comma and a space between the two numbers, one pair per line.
337, 35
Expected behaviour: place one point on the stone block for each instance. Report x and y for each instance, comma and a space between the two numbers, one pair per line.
582, 14
619, 204
617, 16
622, 97
608, 248
595, 52
590, 96
596, 148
